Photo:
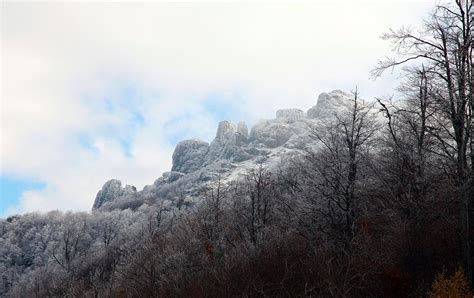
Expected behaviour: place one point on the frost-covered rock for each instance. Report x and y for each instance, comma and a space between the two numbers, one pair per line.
188, 155
278, 132
329, 104
168, 177
111, 191
228, 143
270, 133
233, 152
242, 129
290, 114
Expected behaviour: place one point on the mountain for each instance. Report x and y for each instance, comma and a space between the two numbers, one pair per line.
233, 152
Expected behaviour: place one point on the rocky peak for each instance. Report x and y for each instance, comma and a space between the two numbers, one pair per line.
224, 128
112, 190
188, 155
242, 129
229, 142
330, 103
233, 151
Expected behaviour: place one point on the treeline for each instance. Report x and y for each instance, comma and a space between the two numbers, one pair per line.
272, 234
380, 207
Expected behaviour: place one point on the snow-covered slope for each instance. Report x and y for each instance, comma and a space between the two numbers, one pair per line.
232, 153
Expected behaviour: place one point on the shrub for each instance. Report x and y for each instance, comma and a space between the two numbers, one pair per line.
456, 285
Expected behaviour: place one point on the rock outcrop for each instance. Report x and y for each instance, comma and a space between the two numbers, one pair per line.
330, 103
291, 115
113, 190
189, 155
233, 151
277, 132
228, 143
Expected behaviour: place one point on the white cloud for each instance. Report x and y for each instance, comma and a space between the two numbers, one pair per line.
66, 68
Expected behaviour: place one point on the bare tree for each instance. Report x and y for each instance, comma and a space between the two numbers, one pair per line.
414, 142
331, 174
72, 242
254, 205
444, 45
210, 215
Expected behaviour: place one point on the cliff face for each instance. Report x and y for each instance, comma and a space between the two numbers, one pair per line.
233, 152
188, 156
113, 190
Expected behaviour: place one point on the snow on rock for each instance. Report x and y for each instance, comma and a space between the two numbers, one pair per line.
290, 114
233, 152
242, 129
168, 177
228, 143
188, 155
271, 133
330, 103
111, 191
281, 131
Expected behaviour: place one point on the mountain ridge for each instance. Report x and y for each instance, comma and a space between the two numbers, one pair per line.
233, 151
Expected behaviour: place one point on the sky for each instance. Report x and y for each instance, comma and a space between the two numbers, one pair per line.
95, 91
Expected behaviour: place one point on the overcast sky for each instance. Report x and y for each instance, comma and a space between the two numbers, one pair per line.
91, 91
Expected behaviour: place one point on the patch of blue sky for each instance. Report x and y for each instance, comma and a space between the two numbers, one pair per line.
175, 129
180, 135
126, 102
85, 141
218, 106
126, 144
225, 106
11, 190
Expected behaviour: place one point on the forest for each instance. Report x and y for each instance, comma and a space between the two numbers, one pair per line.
384, 207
